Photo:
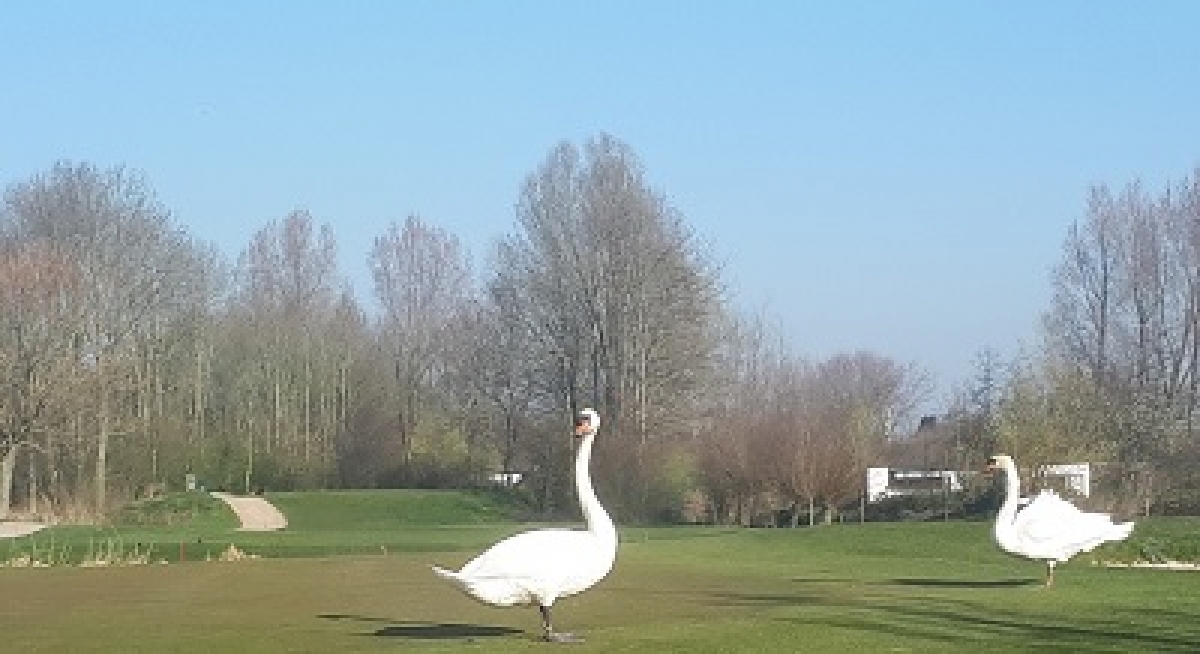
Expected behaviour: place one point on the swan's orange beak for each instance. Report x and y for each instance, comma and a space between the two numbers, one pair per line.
582, 424
991, 467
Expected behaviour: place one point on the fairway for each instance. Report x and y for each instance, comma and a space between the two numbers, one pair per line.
899, 587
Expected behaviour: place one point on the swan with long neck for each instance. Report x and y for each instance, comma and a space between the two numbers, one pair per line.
1047, 528
541, 566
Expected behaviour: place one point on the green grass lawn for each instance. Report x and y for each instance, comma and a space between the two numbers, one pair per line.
326, 585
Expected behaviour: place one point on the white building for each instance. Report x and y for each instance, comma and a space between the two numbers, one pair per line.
883, 483
1077, 477
506, 478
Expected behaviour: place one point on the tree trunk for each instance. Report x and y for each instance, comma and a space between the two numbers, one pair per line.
31, 505
249, 457
6, 480
102, 441
308, 411
102, 456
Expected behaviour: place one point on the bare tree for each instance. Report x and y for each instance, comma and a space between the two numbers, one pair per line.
422, 282
1125, 317
123, 243
291, 364
859, 400
39, 318
620, 302
1086, 285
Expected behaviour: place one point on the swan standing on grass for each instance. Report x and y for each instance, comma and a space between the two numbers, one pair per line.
538, 567
1048, 528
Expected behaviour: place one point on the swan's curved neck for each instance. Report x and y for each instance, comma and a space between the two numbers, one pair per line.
1012, 493
597, 519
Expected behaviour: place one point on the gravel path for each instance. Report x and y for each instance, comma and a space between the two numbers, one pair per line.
256, 513
1164, 565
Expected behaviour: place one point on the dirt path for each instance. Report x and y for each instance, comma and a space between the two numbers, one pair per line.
18, 529
256, 513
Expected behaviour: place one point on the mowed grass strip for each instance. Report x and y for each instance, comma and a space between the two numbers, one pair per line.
868, 588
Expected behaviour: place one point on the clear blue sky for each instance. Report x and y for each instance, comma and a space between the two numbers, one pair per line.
896, 176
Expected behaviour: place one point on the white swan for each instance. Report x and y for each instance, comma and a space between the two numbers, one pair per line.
1048, 528
539, 567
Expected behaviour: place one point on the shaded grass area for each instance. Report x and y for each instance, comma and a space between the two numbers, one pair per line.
872, 588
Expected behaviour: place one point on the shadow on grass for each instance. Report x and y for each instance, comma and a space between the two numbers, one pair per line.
445, 631
923, 582
968, 623
961, 583
770, 599
415, 630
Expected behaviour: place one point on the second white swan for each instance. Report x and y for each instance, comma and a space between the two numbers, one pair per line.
1048, 528
541, 566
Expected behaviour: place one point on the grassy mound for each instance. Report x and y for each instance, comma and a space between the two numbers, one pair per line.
195, 526
193, 508
382, 510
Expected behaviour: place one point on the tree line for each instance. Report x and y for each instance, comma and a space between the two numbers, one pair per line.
1113, 378
132, 355
1118, 380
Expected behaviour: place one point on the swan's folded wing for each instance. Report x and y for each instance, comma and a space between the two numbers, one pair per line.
1052, 527
536, 556
543, 564
1045, 518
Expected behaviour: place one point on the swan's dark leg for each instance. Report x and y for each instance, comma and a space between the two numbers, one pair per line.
1049, 573
549, 634
546, 631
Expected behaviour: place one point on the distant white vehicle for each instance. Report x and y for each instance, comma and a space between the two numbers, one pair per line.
506, 478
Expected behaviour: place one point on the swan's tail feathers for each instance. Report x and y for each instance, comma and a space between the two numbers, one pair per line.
1121, 531
460, 582
494, 590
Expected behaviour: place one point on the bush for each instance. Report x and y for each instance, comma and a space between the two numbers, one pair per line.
169, 509
1180, 502
1158, 541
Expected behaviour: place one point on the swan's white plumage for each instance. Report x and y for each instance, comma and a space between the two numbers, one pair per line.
535, 567
539, 567
1048, 528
